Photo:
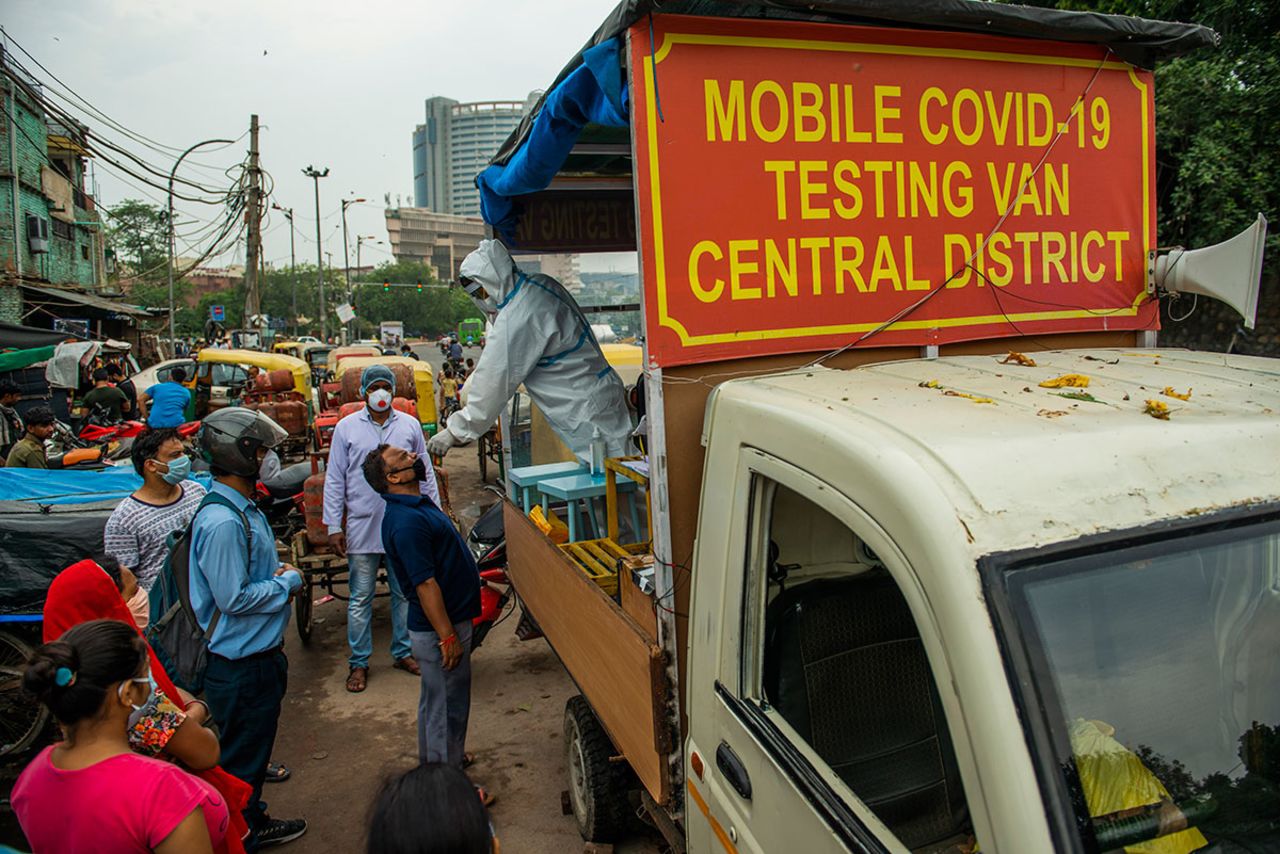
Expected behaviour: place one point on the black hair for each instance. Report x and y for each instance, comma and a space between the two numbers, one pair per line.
90, 658
100, 375
114, 369
375, 469
178, 375
8, 387
39, 416
432, 809
148, 444
111, 565
448, 370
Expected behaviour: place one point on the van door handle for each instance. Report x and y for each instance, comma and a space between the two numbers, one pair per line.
733, 770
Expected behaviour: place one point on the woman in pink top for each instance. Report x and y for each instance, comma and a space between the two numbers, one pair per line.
91, 792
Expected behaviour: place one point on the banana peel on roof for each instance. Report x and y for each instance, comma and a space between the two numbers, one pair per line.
1067, 381
1157, 409
1169, 392
950, 392
1015, 358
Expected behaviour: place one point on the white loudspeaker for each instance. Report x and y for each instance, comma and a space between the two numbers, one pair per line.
1230, 271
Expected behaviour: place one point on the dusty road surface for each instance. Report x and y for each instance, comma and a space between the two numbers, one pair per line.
341, 746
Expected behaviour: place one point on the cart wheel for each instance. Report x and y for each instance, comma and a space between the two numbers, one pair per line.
597, 787
302, 608
484, 458
22, 719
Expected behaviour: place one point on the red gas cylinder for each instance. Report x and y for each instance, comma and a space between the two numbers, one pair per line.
266, 408
313, 508
292, 416
281, 379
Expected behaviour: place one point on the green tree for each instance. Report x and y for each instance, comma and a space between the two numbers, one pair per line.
433, 311
1217, 144
139, 233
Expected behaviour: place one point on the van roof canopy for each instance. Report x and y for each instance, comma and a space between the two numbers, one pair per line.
1140, 41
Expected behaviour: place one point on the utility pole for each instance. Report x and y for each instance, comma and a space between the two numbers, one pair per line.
253, 218
316, 174
293, 264
346, 261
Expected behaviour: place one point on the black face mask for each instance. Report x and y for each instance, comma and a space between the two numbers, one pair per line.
419, 469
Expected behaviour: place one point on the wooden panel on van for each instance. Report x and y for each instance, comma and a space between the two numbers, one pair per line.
614, 664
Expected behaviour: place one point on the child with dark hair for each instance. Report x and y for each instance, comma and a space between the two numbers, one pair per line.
72, 795
432, 809
11, 427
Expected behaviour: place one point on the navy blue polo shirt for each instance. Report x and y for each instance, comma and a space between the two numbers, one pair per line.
421, 544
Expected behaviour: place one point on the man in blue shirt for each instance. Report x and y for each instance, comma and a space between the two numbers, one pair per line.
237, 579
165, 404
430, 558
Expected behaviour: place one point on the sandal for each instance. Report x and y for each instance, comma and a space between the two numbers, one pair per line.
357, 679
486, 798
277, 772
408, 664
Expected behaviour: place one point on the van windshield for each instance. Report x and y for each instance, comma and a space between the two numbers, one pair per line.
1159, 666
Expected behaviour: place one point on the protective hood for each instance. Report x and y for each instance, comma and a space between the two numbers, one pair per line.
491, 265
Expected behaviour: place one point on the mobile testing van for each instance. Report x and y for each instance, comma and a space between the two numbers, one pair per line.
945, 555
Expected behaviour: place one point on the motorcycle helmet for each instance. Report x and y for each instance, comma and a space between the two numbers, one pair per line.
229, 439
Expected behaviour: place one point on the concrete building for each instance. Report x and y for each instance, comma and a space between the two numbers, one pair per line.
439, 240
454, 145
210, 280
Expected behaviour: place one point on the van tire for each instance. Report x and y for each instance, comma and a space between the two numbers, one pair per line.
597, 787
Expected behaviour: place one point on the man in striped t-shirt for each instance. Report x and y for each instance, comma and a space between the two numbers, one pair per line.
139, 527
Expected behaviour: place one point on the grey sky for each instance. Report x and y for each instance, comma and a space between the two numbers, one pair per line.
340, 85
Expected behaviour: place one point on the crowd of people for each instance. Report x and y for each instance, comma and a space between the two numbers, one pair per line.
126, 723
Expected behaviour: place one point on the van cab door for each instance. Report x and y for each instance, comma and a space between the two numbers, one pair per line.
815, 723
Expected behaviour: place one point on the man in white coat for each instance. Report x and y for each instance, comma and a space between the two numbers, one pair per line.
542, 340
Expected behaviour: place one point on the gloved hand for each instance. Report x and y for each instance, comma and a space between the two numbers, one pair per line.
439, 444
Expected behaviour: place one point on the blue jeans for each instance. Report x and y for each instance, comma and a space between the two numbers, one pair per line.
363, 574
444, 704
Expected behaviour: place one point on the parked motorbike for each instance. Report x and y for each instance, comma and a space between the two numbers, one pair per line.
488, 543
281, 500
65, 450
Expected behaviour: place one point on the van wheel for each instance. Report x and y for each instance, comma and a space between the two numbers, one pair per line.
21, 720
597, 787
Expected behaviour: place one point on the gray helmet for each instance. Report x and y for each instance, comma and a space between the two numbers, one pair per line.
230, 438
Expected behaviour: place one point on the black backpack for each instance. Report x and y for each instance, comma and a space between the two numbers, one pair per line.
173, 631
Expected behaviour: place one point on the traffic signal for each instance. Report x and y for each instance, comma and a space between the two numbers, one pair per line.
419, 285
386, 287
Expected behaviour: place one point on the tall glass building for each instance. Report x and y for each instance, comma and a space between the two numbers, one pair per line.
454, 145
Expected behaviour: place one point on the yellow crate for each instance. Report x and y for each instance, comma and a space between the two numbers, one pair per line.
598, 560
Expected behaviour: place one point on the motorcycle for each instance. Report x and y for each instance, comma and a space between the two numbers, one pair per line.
488, 544
281, 500
65, 450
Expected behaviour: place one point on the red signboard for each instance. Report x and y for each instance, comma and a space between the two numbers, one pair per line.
805, 187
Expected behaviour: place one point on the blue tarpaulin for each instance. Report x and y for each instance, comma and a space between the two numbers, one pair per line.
72, 486
593, 93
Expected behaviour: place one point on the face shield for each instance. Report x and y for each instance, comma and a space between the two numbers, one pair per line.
479, 295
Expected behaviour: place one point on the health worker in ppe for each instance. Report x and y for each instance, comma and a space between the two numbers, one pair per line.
540, 339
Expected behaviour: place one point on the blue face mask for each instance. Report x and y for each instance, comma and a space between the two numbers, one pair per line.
178, 470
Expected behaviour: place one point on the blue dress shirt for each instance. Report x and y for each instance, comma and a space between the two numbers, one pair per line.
254, 601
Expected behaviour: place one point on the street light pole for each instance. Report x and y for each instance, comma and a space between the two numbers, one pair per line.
324, 326
346, 261
293, 264
173, 174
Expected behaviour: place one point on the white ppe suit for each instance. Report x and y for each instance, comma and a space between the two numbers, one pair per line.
541, 339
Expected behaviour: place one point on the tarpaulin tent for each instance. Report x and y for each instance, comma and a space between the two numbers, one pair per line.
72, 486
15, 337
39, 541
589, 94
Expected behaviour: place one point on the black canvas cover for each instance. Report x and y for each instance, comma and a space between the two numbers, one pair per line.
39, 541
15, 337
1139, 41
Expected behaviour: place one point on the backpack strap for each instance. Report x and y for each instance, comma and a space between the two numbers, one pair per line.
184, 584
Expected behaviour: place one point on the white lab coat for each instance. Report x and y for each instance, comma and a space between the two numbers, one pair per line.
541, 339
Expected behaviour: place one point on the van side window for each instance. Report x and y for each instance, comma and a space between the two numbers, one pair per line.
833, 650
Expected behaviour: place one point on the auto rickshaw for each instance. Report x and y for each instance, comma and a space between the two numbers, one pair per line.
289, 348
